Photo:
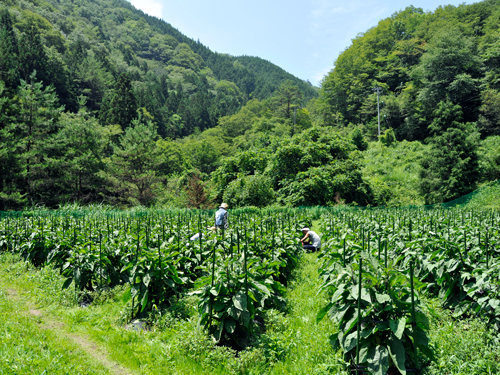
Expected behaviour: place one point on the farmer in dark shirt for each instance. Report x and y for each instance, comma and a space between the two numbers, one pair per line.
221, 217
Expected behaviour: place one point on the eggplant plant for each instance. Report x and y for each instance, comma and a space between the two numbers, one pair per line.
377, 328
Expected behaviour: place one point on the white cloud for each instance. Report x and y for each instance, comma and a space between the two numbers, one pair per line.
319, 75
327, 8
151, 7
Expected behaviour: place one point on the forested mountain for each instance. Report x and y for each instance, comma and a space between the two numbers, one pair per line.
418, 59
437, 74
100, 48
93, 91
102, 103
269, 77
438, 78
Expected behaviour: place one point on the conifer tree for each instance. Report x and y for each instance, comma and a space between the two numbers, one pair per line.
9, 51
450, 168
10, 161
37, 116
197, 197
134, 164
287, 98
32, 56
122, 107
79, 150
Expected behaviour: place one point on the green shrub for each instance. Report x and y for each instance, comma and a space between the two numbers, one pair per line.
358, 139
388, 137
489, 158
254, 190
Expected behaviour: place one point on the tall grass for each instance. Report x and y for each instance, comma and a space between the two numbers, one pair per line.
393, 172
487, 197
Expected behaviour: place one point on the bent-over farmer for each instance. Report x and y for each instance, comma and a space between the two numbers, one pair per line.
311, 240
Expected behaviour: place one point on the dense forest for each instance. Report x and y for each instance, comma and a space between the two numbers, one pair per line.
101, 103
438, 75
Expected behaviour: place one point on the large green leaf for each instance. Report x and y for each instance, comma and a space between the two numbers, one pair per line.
378, 360
398, 327
67, 283
382, 298
127, 295
350, 323
240, 300
397, 353
144, 300
262, 288
134, 291
146, 279
218, 306
420, 337
350, 341
230, 325
422, 319
78, 276
321, 314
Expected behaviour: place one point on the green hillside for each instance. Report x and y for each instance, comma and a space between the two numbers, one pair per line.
88, 45
269, 77
102, 103
419, 59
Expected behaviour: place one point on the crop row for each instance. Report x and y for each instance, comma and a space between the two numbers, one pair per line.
374, 264
237, 273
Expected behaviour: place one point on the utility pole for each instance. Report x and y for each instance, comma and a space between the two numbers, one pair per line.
378, 90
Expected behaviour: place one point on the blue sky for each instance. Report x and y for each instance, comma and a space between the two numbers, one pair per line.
303, 37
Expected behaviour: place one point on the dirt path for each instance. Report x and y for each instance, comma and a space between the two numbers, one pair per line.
49, 322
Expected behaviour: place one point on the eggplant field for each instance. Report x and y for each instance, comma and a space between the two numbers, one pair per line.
381, 283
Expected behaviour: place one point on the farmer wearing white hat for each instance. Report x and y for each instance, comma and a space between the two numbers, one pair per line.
221, 217
311, 240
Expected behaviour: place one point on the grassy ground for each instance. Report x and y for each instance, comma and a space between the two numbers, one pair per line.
488, 197
466, 347
308, 349
393, 172
32, 341
45, 331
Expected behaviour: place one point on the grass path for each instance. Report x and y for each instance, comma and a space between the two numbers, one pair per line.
309, 349
44, 331
34, 340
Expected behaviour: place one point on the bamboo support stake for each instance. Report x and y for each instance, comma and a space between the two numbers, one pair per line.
379, 248
161, 270
100, 255
414, 322
199, 231
386, 244
359, 312
343, 254
212, 285
487, 243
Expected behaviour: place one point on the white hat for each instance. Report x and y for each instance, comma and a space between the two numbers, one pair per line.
224, 205
305, 228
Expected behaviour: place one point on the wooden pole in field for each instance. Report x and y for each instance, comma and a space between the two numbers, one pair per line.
343, 255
